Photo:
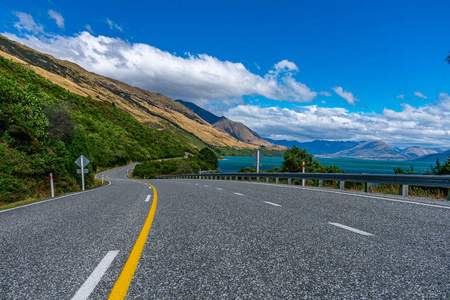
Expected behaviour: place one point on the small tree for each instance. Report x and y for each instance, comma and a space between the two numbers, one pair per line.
294, 158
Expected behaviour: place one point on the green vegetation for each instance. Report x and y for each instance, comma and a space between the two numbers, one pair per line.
206, 159
228, 151
294, 158
44, 128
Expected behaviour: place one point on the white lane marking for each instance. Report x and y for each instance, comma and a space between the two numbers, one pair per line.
350, 228
89, 285
150, 187
348, 194
148, 198
271, 203
239, 194
219, 189
205, 185
196, 184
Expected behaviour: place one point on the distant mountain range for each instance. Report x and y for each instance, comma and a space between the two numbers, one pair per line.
236, 129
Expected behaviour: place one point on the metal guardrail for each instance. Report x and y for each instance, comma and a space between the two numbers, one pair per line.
404, 181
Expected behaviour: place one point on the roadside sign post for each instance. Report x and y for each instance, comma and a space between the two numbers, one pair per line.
51, 185
257, 155
82, 161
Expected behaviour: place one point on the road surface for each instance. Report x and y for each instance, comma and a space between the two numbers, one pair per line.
224, 239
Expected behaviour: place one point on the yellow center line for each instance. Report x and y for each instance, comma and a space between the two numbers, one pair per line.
120, 289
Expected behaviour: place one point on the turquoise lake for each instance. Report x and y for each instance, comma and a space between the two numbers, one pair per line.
232, 164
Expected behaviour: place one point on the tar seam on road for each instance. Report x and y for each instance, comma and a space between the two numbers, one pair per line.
120, 289
350, 228
89, 285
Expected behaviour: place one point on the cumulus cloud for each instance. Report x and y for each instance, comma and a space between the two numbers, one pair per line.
419, 94
57, 17
401, 97
195, 78
348, 96
427, 125
27, 23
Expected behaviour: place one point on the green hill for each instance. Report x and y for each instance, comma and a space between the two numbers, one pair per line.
44, 128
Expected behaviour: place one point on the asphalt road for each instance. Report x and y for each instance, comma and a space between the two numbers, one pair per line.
223, 239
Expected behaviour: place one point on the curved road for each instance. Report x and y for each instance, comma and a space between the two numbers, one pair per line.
223, 239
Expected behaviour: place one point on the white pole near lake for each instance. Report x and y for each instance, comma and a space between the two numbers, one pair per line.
257, 161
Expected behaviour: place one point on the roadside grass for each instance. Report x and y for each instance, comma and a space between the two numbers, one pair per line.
44, 195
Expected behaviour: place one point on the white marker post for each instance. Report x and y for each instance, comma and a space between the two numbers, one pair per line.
102, 178
257, 161
303, 180
51, 185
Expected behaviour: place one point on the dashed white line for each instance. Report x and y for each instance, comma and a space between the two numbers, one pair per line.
89, 285
239, 194
350, 228
271, 203
219, 189
205, 185
148, 198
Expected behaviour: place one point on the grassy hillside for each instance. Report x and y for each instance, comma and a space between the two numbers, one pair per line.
44, 128
147, 107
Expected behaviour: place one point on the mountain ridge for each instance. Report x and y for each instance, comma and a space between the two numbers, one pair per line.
236, 129
150, 108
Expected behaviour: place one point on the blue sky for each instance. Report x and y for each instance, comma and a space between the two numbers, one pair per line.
297, 70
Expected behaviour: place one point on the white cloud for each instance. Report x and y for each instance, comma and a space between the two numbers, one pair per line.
325, 93
57, 17
196, 78
89, 28
348, 96
26, 22
423, 126
401, 97
113, 25
419, 94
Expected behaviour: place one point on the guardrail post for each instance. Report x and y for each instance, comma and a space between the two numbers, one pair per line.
341, 185
320, 183
277, 180
448, 194
403, 190
257, 179
267, 179
368, 187
289, 181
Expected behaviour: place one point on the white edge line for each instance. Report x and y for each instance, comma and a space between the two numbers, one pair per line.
350, 228
52, 199
148, 198
89, 285
271, 203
